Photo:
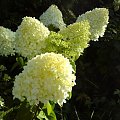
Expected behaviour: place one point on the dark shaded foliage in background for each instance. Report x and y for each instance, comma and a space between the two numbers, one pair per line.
98, 69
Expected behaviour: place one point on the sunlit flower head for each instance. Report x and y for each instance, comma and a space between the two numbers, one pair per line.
77, 35
98, 19
30, 37
7, 39
53, 16
47, 77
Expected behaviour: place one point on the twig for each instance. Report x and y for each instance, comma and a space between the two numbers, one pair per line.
76, 113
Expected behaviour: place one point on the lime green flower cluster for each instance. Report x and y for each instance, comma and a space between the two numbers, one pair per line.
30, 37
7, 39
70, 41
98, 19
54, 43
47, 77
77, 36
53, 16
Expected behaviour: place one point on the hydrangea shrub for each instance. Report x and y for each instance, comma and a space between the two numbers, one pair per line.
49, 74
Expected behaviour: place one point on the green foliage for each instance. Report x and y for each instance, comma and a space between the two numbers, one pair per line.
42, 116
6, 114
116, 5
47, 112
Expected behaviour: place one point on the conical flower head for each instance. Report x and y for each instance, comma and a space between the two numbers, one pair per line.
53, 16
77, 37
7, 40
30, 37
98, 19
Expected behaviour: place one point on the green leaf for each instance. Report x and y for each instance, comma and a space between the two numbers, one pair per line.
7, 114
70, 95
73, 65
2, 114
20, 61
50, 112
42, 115
49, 108
52, 116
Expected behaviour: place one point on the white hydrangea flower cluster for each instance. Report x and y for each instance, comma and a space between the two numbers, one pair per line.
7, 39
30, 37
47, 77
53, 16
98, 19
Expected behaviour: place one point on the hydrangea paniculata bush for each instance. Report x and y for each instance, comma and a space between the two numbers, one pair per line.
98, 19
49, 74
53, 16
7, 39
47, 77
30, 37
